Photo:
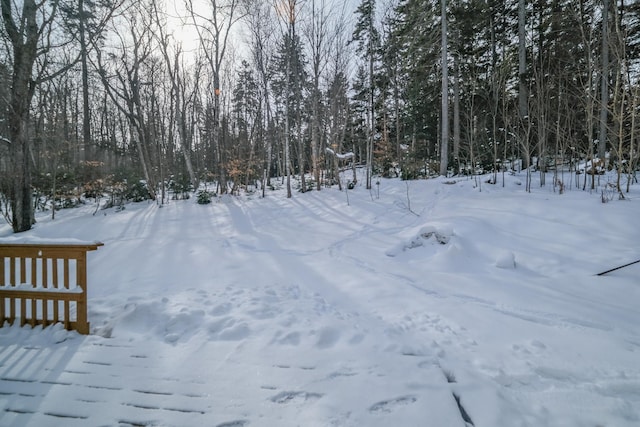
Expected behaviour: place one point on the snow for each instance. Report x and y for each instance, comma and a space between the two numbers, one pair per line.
315, 311
341, 156
20, 239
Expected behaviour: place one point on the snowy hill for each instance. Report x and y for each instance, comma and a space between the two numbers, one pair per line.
431, 303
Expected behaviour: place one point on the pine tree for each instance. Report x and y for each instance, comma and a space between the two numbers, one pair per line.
246, 113
415, 37
290, 81
85, 20
367, 40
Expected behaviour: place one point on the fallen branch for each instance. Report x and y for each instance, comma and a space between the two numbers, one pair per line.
617, 268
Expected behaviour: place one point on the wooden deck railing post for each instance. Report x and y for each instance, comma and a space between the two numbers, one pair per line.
81, 282
30, 286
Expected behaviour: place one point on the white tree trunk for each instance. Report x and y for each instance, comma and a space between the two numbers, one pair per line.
604, 92
444, 150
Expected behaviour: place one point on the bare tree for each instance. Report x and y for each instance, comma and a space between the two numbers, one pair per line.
367, 38
124, 81
86, 21
179, 97
624, 102
523, 93
29, 26
24, 32
214, 30
288, 11
456, 112
35, 35
317, 33
634, 157
338, 108
262, 46
587, 85
523, 90
604, 81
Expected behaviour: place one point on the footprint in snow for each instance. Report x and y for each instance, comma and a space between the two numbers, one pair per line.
236, 333
263, 312
221, 309
226, 329
292, 338
295, 396
387, 406
237, 423
327, 338
529, 348
356, 339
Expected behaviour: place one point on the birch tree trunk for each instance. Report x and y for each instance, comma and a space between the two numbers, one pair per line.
523, 90
444, 143
317, 37
604, 81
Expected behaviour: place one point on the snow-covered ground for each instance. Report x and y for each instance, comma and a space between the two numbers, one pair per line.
434, 303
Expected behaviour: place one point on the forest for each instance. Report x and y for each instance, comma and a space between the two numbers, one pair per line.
117, 100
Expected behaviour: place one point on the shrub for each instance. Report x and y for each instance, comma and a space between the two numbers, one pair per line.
138, 191
180, 185
204, 197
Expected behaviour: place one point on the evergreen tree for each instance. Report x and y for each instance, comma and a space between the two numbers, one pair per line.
86, 20
414, 36
246, 113
290, 85
367, 40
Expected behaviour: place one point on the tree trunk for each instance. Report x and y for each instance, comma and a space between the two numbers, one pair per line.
24, 42
523, 94
456, 115
287, 124
372, 109
21, 199
217, 139
444, 147
298, 106
523, 91
218, 27
604, 78
633, 155
315, 141
86, 109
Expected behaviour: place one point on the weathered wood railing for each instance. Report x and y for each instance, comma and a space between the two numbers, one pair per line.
44, 284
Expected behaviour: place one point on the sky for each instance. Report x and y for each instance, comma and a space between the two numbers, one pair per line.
412, 304
177, 15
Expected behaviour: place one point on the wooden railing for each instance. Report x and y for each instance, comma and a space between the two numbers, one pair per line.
44, 284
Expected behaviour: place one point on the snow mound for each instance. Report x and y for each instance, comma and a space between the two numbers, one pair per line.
169, 322
429, 235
